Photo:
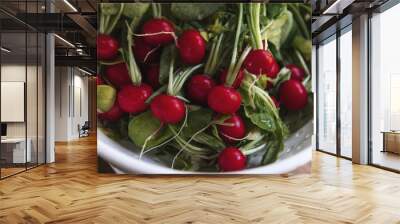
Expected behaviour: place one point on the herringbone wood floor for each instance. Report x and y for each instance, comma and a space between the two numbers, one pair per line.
71, 191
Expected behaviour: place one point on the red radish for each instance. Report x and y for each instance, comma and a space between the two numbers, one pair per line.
152, 74
168, 109
158, 32
145, 53
198, 88
192, 47
118, 75
273, 72
297, 72
276, 102
238, 80
132, 99
114, 114
99, 80
231, 159
107, 47
224, 100
233, 128
293, 95
261, 62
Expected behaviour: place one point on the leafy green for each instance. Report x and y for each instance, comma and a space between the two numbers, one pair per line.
144, 125
196, 121
109, 17
127, 55
210, 141
273, 149
259, 114
274, 10
260, 109
279, 29
283, 75
167, 54
303, 45
194, 11
135, 12
109, 9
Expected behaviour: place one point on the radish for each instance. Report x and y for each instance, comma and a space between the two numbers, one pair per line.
158, 31
261, 62
168, 109
297, 72
273, 72
107, 47
152, 74
232, 129
231, 159
224, 100
238, 80
293, 95
192, 47
145, 53
132, 99
118, 75
99, 80
198, 88
114, 114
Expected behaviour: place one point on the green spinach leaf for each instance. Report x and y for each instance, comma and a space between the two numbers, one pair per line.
167, 55
142, 126
279, 30
194, 11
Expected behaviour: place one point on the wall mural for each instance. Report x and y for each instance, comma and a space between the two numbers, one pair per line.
204, 88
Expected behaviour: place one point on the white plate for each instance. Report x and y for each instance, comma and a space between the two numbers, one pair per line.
298, 152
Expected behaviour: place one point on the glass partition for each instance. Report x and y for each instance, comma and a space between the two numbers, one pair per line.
14, 153
326, 94
22, 77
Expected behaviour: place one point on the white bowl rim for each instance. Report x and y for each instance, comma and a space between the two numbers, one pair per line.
122, 159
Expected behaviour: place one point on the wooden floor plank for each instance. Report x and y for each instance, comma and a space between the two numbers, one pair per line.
71, 191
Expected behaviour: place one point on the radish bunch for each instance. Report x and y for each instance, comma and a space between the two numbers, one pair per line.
197, 95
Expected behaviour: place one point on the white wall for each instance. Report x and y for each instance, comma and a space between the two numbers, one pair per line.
71, 102
33, 127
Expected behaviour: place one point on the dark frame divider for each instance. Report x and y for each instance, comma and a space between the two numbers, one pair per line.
369, 78
338, 98
316, 97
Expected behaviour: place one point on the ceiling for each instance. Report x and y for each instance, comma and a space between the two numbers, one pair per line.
76, 21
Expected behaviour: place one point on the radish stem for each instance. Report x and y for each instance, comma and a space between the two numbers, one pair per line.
231, 77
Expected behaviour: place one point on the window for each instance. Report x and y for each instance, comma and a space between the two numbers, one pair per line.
346, 92
326, 94
385, 88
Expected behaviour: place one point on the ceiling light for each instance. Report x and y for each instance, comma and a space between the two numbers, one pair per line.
5, 49
84, 71
329, 9
65, 41
337, 7
70, 5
